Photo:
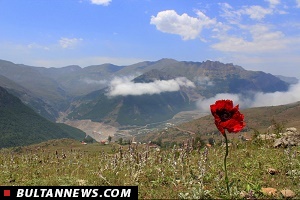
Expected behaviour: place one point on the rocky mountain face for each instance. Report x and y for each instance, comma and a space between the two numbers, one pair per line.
81, 93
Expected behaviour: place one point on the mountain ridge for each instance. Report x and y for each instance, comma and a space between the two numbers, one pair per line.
60, 88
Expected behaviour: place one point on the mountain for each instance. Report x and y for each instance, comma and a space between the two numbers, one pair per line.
66, 90
132, 109
210, 78
57, 84
42, 86
213, 77
28, 98
20, 125
78, 81
289, 80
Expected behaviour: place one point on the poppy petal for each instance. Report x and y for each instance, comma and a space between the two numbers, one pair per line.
227, 117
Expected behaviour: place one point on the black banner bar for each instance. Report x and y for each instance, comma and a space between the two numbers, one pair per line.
26, 192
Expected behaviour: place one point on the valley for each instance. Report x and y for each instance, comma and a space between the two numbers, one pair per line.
101, 131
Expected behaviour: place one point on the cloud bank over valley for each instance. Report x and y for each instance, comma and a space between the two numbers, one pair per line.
254, 99
125, 86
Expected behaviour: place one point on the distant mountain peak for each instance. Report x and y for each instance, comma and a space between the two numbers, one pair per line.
72, 67
219, 65
167, 60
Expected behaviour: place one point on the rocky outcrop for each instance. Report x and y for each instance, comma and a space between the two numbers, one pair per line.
288, 193
289, 138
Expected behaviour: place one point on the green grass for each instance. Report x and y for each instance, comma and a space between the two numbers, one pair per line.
166, 174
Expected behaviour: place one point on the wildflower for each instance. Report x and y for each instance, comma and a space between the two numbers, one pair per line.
227, 118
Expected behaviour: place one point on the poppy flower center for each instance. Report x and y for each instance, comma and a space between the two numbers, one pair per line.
224, 115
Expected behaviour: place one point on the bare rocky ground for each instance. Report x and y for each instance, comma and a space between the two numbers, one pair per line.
98, 131
186, 116
101, 132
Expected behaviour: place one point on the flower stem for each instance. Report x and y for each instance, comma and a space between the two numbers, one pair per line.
226, 154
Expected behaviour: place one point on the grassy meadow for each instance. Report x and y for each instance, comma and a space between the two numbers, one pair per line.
188, 172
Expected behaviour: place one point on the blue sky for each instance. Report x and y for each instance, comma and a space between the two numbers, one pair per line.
255, 34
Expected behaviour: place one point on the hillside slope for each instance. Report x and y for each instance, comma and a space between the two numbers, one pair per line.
20, 125
29, 99
257, 119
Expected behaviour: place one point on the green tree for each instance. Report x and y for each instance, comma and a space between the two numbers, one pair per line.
120, 141
109, 139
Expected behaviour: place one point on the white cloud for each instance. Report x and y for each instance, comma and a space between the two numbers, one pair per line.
204, 104
94, 82
101, 2
298, 3
257, 99
203, 81
229, 13
125, 86
262, 40
256, 12
277, 98
69, 42
253, 43
273, 3
187, 27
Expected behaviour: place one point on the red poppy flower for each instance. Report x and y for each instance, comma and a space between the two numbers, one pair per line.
227, 117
